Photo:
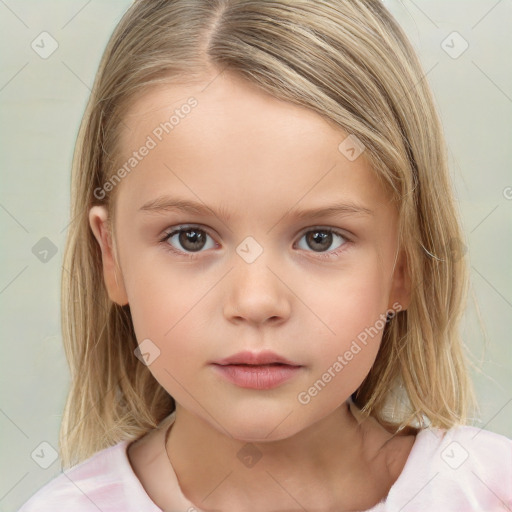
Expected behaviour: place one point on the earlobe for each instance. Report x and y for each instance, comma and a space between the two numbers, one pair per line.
112, 275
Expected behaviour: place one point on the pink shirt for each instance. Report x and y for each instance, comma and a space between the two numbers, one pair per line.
464, 469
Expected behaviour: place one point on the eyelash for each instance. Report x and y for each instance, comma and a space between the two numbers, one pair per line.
325, 255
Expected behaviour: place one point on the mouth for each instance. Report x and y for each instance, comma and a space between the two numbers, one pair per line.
263, 376
264, 358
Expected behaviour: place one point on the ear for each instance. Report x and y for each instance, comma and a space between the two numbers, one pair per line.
111, 271
401, 283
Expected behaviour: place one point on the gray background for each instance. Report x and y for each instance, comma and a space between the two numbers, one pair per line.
42, 101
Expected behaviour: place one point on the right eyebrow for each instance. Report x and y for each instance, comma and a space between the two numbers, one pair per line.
163, 204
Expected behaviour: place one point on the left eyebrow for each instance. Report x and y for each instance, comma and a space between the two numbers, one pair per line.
337, 209
164, 204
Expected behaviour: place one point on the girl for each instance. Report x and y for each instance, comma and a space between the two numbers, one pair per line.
260, 297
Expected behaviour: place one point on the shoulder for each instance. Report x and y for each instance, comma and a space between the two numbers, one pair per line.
478, 455
463, 468
471, 449
103, 482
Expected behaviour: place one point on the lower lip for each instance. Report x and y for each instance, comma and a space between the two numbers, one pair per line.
257, 377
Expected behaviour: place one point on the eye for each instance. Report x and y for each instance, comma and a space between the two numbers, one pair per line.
321, 239
188, 239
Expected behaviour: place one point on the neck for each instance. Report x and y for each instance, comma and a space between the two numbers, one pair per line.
320, 467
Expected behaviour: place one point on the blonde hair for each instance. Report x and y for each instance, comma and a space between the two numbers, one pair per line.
350, 62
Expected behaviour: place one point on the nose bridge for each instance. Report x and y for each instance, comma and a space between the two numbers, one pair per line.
256, 292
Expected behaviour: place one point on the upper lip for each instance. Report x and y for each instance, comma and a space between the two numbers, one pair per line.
255, 358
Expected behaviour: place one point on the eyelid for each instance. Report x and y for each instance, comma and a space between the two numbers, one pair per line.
339, 231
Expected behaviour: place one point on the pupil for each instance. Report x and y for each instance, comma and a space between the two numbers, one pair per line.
320, 237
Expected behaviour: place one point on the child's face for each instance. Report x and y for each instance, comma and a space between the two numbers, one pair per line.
255, 281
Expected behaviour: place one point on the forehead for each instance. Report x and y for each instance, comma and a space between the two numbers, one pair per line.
231, 106
224, 139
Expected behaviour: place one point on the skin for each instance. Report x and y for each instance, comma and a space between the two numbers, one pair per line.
261, 159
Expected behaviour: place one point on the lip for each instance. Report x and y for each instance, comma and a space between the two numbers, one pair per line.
257, 376
255, 358
261, 370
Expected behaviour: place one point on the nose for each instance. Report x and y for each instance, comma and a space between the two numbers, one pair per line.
256, 294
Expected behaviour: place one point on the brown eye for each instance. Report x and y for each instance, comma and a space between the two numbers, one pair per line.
189, 239
321, 240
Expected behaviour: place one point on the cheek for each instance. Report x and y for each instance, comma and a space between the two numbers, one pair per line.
169, 318
160, 309
169, 309
352, 308
351, 300
156, 292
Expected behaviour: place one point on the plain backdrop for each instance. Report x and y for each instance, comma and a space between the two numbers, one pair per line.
42, 101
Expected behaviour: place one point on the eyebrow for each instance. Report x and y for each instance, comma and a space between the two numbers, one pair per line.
164, 204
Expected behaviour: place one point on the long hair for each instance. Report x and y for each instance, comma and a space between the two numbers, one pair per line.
350, 62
